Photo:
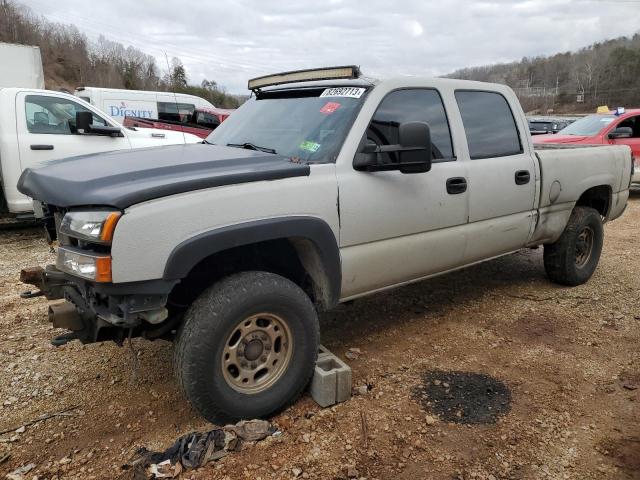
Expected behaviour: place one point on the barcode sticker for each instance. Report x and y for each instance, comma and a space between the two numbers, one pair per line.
351, 92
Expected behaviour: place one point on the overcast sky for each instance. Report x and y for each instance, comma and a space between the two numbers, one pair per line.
231, 41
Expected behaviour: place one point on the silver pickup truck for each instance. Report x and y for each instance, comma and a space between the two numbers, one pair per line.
324, 187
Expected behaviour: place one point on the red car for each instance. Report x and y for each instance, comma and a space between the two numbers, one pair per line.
601, 129
201, 122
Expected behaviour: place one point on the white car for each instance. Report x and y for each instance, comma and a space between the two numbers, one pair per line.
37, 126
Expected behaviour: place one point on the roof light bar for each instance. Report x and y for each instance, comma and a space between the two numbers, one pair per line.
330, 73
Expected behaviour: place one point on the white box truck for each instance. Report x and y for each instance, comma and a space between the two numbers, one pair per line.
22, 66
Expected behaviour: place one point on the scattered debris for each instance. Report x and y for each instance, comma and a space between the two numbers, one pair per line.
361, 390
353, 353
19, 473
365, 428
195, 449
60, 413
5, 457
431, 420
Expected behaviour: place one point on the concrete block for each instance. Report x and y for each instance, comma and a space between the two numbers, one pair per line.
331, 381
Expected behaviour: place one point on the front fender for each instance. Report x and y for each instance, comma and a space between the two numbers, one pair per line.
192, 251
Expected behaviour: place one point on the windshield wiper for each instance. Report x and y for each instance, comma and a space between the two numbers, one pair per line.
251, 146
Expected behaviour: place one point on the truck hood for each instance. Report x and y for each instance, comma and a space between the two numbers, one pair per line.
557, 138
123, 178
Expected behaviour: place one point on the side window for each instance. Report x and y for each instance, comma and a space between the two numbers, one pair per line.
54, 115
412, 105
208, 120
634, 124
175, 112
489, 124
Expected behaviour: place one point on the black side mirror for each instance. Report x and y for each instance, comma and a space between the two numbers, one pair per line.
414, 151
415, 139
83, 122
621, 132
84, 126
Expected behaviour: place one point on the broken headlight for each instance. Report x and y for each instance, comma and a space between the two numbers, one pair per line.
92, 226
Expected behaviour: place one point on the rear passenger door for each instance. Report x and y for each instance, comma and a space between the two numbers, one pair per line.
501, 176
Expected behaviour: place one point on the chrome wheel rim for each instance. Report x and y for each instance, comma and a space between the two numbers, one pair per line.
256, 353
584, 246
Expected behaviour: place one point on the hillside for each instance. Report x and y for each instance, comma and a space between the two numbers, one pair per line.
71, 60
606, 73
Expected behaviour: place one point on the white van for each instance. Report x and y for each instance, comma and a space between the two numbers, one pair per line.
119, 103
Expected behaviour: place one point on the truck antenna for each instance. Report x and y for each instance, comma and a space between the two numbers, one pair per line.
175, 97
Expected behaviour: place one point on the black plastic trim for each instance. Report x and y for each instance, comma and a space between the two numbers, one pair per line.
190, 252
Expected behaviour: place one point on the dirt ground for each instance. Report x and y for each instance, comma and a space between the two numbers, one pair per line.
491, 372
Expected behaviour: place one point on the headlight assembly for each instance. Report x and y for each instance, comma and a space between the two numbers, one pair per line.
87, 265
93, 226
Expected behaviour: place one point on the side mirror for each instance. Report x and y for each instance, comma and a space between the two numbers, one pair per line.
621, 132
84, 126
415, 139
414, 151
83, 122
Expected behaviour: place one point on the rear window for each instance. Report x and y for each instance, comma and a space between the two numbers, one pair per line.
488, 123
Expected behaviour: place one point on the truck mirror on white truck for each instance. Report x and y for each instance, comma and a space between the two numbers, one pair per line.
84, 126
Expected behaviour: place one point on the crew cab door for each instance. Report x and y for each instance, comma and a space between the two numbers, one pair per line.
46, 130
502, 175
397, 227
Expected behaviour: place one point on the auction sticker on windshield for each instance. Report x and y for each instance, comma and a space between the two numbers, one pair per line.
309, 146
350, 92
330, 107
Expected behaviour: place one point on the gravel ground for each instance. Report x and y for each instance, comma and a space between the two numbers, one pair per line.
487, 373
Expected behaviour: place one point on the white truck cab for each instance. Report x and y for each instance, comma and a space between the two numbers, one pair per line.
37, 126
120, 103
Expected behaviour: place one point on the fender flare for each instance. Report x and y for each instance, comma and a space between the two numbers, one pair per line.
192, 251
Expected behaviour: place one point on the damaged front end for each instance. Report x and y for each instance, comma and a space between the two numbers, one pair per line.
85, 301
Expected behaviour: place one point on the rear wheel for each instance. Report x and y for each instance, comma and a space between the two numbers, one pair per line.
573, 258
247, 347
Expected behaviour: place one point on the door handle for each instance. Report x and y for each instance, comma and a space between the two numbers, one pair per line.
456, 185
522, 177
41, 147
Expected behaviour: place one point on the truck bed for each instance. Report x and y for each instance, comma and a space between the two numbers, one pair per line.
573, 168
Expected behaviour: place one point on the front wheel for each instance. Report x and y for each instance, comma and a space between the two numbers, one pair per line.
573, 258
247, 347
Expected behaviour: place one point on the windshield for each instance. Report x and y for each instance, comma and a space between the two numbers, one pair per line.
588, 125
300, 124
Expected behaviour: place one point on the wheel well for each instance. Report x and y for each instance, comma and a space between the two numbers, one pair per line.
597, 197
296, 259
